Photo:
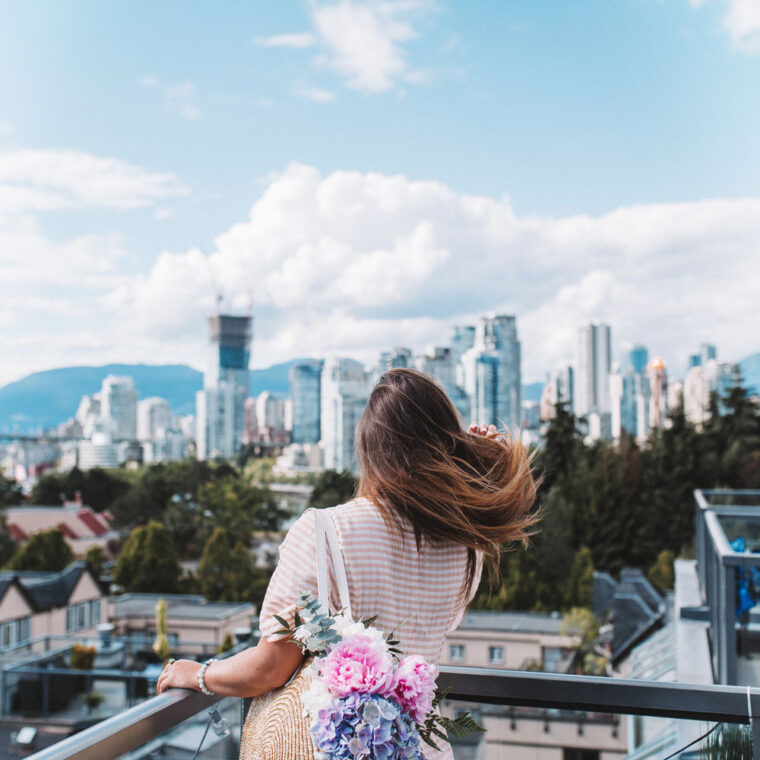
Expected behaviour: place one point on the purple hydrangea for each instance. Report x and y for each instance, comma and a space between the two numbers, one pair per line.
365, 727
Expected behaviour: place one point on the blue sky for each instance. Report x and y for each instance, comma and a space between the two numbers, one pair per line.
565, 161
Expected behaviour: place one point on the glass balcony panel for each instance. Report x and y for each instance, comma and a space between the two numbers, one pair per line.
214, 733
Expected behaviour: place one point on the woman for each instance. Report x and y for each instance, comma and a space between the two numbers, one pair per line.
434, 503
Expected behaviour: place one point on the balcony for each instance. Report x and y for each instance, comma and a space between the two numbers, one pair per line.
728, 562
515, 704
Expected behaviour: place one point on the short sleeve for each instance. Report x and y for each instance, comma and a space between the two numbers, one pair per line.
295, 573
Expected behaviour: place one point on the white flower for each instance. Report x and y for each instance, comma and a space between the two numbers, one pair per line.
316, 697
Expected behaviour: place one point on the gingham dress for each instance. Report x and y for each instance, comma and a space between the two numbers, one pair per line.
415, 594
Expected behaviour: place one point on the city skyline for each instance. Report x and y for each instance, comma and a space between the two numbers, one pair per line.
562, 165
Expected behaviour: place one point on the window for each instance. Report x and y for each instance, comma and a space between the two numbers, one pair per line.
456, 652
580, 754
495, 655
553, 657
14, 632
82, 615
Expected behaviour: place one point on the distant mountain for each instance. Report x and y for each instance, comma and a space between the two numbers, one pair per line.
750, 369
45, 399
532, 391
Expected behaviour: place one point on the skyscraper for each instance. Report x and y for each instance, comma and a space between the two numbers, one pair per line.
345, 390
153, 415
491, 373
226, 384
592, 390
638, 358
305, 393
119, 407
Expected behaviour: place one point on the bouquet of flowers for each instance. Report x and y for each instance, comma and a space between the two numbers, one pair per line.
367, 700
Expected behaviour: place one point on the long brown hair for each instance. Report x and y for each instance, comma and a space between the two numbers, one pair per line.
417, 462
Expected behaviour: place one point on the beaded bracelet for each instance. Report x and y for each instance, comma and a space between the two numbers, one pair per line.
201, 682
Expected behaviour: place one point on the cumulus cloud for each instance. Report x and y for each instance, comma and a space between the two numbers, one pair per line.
52, 311
363, 41
315, 94
42, 180
742, 20
354, 262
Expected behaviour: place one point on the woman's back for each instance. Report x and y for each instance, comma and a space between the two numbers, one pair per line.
416, 594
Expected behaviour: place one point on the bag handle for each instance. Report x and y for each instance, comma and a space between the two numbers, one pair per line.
325, 535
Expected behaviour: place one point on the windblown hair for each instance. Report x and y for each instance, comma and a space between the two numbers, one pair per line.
417, 462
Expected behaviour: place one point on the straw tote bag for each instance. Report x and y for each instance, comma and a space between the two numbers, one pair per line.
275, 727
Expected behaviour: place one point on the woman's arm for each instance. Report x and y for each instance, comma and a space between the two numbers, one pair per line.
248, 673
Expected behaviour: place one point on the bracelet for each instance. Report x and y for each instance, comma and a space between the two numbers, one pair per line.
201, 682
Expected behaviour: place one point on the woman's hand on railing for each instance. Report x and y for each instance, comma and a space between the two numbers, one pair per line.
179, 674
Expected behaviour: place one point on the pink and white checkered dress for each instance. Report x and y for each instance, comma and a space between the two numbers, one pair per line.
415, 594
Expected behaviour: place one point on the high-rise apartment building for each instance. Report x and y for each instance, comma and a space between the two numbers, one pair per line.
153, 415
491, 373
118, 398
345, 390
638, 358
220, 406
400, 356
305, 393
701, 383
592, 390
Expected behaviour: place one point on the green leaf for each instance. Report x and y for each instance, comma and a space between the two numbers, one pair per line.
425, 736
297, 618
284, 623
462, 726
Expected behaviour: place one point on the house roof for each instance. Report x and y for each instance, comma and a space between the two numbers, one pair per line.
177, 606
516, 622
44, 590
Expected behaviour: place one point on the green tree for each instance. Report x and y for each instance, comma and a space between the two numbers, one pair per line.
8, 546
148, 561
240, 508
45, 550
96, 558
225, 569
333, 488
10, 492
562, 449
580, 584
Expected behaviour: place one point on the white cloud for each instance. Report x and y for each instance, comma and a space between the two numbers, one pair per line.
355, 262
38, 180
743, 23
363, 41
178, 98
296, 40
742, 20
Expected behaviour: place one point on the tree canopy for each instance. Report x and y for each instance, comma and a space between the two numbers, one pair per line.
45, 550
148, 561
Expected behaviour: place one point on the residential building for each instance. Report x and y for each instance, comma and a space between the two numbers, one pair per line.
153, 415
561, 387
81, 526
220, 406
98, 451
400, 356
345, 390
34, 604
491, 373
520, 641
119, 407
592, 393
191, 620
702, 381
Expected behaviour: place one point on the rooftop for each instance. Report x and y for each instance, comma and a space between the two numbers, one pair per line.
177, 606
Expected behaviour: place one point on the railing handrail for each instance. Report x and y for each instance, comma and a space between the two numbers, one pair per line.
731, 704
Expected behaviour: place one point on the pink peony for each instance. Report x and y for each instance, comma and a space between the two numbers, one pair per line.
414, 686
358, 664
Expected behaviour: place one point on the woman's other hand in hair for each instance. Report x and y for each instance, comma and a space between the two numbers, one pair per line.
487, 431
